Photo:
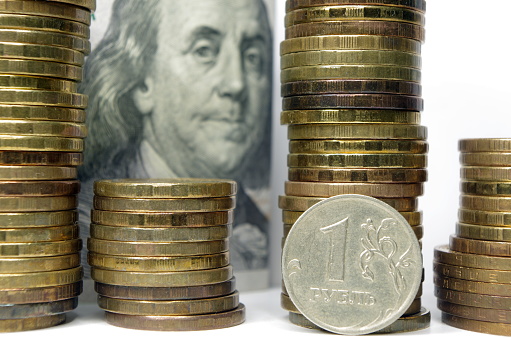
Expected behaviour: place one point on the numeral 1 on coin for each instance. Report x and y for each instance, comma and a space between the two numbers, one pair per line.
337, 233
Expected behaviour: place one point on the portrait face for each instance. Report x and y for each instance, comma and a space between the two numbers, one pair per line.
207, 95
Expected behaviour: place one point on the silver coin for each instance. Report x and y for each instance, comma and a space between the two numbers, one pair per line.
351, 264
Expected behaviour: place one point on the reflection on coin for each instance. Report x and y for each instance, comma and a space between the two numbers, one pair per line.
39, 173
334, 246
42, 53
473, 274
485, 145
486, 218
40, 279
479, 247
37, 219
39, 234
19, 311
41, 23
357, 147
29, 204
357, 160
371, 175
302, 203
486, 173
472, 287
40, 249
40, 158
370, 189
475, 313
164, 204
38, 264
41, 295
476, 325
47, 8
482, 232
419, 5
39, 188
33, 323
42, 113
473, 299
349, 116
357, 131
444, 255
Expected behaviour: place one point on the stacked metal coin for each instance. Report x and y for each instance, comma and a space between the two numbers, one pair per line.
158, 251
42, 49
350, 73
473, 274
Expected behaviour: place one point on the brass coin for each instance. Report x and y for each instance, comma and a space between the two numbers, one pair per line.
20, 311
41, 68
40, 158
165, 188
298, 203
179, 323
479, 247
486, 218
472, 287
357, 131
41, 295
473, 299
43, 98
347, 57
45, 53
494, 174
485, 233
157, 264
473, 274
417, 161
486, 159
37, 219
486, 188
351, 116
417, 229
156, 249
42, 128
40, 113
89, 4
314, 189
41, 23
476, 325
354, 12
30, 204
40, 249
40, 173
287, 304
33, 323
485, 145
358, 175
37, 235
166, 293
164, 205
40, 279
162, 279
24, 265
351, 86
39, 83
170, 307
40, 143
168, 234
357, 42
414, 308
414, 219
358, 72
359, 27
164, 219
485, 203
444, 255
357, 101
46, 8
39, 188
475, 313
419, 5
357, 146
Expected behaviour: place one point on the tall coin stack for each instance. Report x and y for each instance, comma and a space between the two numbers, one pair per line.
42, 50
350, 74
473, 274
159, 253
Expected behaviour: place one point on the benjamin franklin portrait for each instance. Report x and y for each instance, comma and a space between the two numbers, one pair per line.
182, 88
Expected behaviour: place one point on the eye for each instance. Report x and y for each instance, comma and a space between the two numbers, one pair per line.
205, 51
253, 59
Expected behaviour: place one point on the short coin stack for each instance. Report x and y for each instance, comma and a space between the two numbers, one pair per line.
42, 50
350, 73
473, 274
158, 251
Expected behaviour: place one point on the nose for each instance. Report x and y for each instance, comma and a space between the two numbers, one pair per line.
232, 78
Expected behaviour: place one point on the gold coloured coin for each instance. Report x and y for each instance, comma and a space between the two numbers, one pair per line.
357, 175
36, 235
162, 279
475, 313
357, 101
298, 203
479, 247
485, 145
164, 219
11, 50
168, 234
42, 98
24, 265
473, 274
419, 5
484, 159
287, 304
482, 232
40, 249
485, 203
357, 146
473, 287
41, 68
164, 205
357, 160
179, 323
39, 188
351, 116
37, 219
33, 323
476, 325
486, 218
20, 311
40, 279
314, 189
165, 188
170, 307
41, 295
357, 131
473, 299
39, 83
414, 308
40, 143
46, 8
354, 12
41, 23
40, 113
40, 173
156, 249
414, 219
495, 174
157, 264
31, 204
42, 128
486, 188
417, 229
332, 72
444, 255
350, 42
89, 4
166, 293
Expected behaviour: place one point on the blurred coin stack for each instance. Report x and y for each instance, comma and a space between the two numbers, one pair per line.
473, 274
159, 253
42, 50
350, 74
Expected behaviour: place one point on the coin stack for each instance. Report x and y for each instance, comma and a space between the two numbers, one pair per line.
350, 73
158, 251
473, 274
42, 50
